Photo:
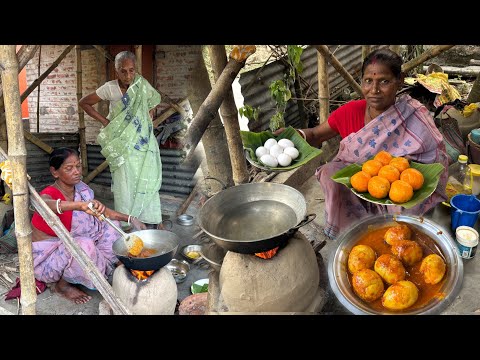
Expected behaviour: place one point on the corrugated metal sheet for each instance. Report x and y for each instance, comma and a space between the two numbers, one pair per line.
37, 159
177, 179
258, 94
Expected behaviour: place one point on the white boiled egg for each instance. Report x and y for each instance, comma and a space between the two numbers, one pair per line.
292, 152
269, 143
284, 160
276, 150
269, 160
261, 150
285, 143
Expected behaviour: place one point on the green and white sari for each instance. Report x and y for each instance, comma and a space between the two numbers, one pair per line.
131, 150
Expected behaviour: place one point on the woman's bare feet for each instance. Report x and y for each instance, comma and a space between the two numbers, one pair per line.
70, 292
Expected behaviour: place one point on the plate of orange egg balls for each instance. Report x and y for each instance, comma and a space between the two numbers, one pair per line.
395, 264
389, 180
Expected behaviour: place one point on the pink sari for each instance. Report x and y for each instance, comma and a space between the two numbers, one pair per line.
53, 261
405, 129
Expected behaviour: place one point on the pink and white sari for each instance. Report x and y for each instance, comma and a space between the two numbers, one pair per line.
405, 129
53, 261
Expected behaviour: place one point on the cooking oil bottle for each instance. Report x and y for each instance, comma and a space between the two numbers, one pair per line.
458, 182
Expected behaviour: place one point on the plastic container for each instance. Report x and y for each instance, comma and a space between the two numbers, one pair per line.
474, 174
465, 210
467, 241
458, 182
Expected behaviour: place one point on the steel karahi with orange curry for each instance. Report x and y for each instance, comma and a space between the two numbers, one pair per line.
396, 268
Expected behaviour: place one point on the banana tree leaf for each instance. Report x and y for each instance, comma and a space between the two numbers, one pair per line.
252, 140
431, 173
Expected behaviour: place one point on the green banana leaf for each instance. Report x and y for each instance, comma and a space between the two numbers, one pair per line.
252, 140
431, 173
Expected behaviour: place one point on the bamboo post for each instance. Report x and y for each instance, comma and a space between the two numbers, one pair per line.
138, 55
229, 113
81, 115
323, 89
430, 53
329, 57
38, 90
18, 157
210, 106
365, 51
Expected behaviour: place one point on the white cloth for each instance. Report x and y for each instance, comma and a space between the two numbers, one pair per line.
110, 91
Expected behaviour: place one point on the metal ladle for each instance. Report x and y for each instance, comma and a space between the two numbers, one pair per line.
133, 242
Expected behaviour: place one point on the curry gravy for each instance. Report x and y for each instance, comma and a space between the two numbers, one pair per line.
426, 292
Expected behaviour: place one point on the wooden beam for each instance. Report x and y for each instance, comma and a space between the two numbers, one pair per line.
331, 59
138, 56
18, 158
430, 53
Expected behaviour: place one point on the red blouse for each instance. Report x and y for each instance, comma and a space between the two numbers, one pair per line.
65, 218
348, 118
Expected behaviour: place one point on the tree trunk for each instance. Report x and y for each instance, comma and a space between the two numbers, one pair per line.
18, 157
229, 113
330, 58
323, 88
430, 53
474, 94
214, 139
81, 114
209, 108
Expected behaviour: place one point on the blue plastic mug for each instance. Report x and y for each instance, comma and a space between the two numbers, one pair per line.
465, 210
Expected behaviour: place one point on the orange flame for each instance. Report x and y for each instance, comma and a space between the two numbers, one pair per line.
267, 254
142, 275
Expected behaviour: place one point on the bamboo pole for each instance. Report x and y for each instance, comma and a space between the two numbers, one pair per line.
18, 157
210, 106
323, 89
430, 53
229, 113
138, 55
38, 91
81, 115
95, 172
330, 58
104, 52
365, 51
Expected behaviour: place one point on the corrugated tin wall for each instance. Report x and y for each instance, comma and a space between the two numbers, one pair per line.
37, 159
177, 180
258, 94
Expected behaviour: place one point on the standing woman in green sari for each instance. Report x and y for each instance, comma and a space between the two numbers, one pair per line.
128, 142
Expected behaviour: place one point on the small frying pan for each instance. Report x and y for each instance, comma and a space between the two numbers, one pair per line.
160, 244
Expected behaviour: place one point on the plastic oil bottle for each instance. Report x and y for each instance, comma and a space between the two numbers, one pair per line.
458, 182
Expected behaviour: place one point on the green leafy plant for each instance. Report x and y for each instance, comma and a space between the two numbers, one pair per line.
199, 288
249, 112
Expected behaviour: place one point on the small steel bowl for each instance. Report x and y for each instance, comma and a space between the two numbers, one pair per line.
185, 220
192, 253
179, 269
